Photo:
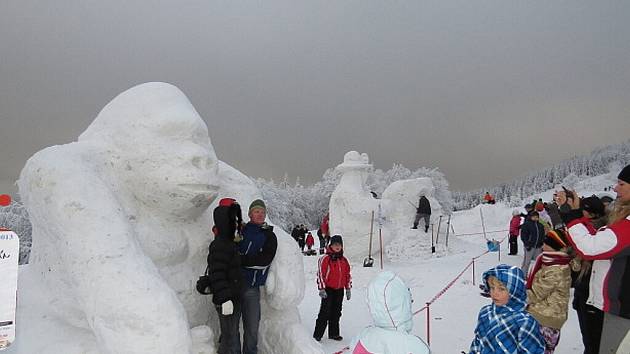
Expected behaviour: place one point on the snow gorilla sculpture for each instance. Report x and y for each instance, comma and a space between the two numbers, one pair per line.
120, 234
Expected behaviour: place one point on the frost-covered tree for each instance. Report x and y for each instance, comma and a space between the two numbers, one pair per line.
608, 159
288, 206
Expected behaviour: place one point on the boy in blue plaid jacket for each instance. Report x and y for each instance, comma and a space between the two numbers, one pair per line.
504, 326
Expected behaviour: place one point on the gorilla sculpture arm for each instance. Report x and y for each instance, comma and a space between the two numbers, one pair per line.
111, 286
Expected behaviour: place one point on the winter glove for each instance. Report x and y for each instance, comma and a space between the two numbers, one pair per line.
322, 294
227, 308
348, 294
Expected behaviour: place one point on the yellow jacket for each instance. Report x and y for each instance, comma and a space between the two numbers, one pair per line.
548, 297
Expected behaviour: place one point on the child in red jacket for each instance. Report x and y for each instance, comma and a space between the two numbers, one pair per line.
310, 241
333, 276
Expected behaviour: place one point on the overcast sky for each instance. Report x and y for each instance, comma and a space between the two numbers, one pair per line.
486, 91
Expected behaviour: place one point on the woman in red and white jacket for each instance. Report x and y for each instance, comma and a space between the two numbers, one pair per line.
333, 276
609, 248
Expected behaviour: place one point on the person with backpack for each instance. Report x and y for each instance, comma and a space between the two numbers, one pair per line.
224, 263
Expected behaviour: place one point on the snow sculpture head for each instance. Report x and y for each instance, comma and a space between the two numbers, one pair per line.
121, 227
154, 131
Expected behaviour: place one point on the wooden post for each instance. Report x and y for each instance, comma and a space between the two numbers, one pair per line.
432, 245
473, 271
483, 226
437, 238
448, 228
380, 237
428, 324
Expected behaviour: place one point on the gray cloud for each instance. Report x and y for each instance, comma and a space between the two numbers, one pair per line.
483, 90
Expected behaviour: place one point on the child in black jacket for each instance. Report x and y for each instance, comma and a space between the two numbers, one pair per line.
224, 270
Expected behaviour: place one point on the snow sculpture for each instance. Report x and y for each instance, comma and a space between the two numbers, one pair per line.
351, 205
121, 224
402, 199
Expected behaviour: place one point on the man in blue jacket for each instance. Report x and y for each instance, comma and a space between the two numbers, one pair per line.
532, 235
257, 249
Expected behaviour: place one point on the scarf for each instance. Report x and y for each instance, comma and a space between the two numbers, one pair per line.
547, 258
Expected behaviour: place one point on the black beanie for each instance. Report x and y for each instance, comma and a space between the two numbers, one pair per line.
624, 175
336, 239
227, 219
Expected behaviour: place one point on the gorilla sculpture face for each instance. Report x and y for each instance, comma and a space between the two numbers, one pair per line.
178, 174
176, 161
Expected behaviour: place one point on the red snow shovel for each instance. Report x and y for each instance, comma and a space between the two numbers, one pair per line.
369, 261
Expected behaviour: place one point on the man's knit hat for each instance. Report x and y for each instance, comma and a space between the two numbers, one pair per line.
594, 206
257, 204
624, 175
556, 239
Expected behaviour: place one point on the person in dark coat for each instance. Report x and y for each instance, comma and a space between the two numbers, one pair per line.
295, 233
423, 211
532, 235
224, 270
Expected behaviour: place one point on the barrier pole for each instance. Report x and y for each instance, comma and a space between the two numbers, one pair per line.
499, 252
448, 228
473, 271
380, 237
483, 226
432, 245
428, 324
437, 238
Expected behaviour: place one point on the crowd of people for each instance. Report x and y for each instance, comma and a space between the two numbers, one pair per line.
577, 242
306, 241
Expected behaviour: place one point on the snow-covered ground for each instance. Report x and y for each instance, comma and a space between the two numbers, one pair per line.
453, 315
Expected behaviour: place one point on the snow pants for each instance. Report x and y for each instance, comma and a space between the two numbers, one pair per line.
513, 244
591, 320
530, 254
427, 221
230, 338
301, 244
329, 314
